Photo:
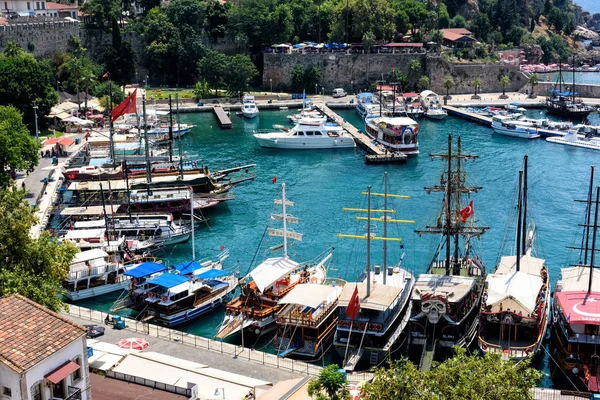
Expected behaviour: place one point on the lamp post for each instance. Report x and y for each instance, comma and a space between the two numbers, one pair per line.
352, 87
218, 393
37, 132
271, 82
316, 89
146, 83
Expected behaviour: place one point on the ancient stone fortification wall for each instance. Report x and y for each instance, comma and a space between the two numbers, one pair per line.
543, 89
340, 69
44, 37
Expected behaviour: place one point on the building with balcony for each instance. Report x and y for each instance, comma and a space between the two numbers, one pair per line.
43, 356
23, 8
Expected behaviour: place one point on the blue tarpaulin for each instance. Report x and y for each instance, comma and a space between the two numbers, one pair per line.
145, 269
212, 273
168, 280
365, 95
187, 268
99, 161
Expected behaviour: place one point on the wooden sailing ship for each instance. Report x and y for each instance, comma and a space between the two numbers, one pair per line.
576, 307
379, 328
516, 305
254, 310
446, 299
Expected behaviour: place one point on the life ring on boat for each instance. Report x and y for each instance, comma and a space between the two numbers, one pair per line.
314, 279
151, 295
164, 299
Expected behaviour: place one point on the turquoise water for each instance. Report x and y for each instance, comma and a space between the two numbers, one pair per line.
320, 183
581, 78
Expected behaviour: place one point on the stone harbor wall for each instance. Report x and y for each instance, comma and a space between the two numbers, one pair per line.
355, 72
544, 88
40, 38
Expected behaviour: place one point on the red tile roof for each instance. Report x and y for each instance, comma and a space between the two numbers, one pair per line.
30, 333
403, 45
58, 6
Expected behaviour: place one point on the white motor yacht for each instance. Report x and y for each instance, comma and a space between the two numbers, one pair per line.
515, 128
249, 109
310, 133
572, 139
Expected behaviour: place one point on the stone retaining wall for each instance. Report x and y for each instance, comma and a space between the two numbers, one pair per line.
543, 89
40, 38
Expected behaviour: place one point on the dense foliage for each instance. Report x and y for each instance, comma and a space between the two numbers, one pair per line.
18, 150
23, 81
33, 268
463, 377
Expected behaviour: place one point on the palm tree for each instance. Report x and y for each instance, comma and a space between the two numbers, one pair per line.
504, 80
533, 80
448, 84
476, 84
368, 40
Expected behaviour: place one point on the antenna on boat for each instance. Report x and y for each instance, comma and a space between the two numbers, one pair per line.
170, 129
283, 213
524, 226
519, 216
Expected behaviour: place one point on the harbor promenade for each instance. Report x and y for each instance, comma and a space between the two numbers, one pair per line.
221, 355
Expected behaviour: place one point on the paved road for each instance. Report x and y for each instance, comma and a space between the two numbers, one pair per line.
223, 362
112, 389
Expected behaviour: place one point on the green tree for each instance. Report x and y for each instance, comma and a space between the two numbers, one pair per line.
533, 80
480, 26
463, 377
476, 85
33, 268
305, 78
238, 72
201, 90
23, 81
212, 68
458, 22
443, 17
119, 58
504, 80
216, 19
423, 83
80, 72
103, 89
448, 84
102, 11
329, 385
18, 150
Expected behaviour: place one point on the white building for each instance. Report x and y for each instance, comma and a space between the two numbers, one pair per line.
43, 356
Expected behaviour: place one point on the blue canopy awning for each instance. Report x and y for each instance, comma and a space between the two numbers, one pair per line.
212, 273
188, 267
145, 269
169, 280
99, 161
365, 95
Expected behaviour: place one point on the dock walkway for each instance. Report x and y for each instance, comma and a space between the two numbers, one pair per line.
375, 153
222, 117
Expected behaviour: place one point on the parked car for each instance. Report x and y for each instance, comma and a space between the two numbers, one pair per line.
339, 92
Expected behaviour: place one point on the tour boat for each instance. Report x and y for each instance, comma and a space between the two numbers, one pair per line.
249, 109
575, 315
435, 111
309, 134
89, 239
160, 228
94, 273
174, 297
446, 299
99, 172
510, 127
396, 134
516, 303
565, 103
573, 139
368, 335
254, 310
308, 110
367, 103
307, 320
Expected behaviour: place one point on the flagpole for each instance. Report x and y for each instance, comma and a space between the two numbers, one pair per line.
348, 342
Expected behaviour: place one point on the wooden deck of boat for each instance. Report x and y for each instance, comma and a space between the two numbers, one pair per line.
375, 153
555, 394
222, 117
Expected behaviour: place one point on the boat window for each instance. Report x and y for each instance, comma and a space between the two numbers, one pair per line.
309, 133
318, 134
299, 133
178, 296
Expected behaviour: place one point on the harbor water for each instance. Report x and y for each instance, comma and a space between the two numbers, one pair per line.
321, 182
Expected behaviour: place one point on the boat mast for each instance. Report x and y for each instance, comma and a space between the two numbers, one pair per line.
369, 240
147, 146
593, 256
456, 264
519, 209
448, 205
385, 218
285, 252
573, 85
524, 226
106, 225
588, 217
111, 126
170, 129
192, 217
179, 137
128, 190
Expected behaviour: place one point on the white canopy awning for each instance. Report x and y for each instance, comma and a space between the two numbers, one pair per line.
426, 93
521, 287
311, 295
89, 255
85, 234
270, 270
528, 264
578, 279
78, 121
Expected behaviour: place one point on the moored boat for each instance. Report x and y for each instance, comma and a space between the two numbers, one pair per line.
249, 109
575, 140
515, 128
397, 134
308, 134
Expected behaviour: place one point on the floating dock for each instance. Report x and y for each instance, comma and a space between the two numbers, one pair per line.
222, 117
487, 121
375, 153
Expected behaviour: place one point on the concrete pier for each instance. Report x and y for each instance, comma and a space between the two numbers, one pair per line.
375, 153
222, 117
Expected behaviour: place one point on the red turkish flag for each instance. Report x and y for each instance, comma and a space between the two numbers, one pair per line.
467, 211
126, 107
274, 179
354, 304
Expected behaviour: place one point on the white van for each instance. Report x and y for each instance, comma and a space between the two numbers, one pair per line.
339, 92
